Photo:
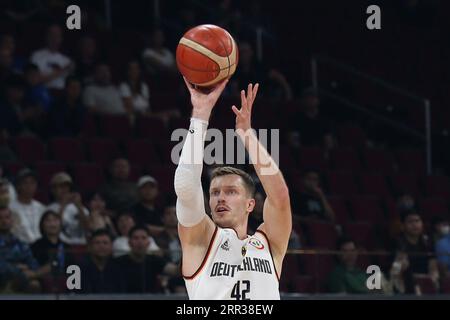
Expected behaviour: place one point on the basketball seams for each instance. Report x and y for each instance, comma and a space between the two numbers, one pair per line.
223, 46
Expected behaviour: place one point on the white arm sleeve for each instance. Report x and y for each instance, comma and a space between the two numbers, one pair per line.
190, 205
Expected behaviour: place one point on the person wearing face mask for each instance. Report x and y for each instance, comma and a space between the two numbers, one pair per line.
442, 246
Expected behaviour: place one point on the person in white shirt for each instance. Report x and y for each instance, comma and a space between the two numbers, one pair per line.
157, 58
27, 210
68, 204
53, 65
102, 97
121, 246
134, 91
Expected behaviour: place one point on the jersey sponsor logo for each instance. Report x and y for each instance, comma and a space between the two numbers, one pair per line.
256, 243
222, 269
225, 246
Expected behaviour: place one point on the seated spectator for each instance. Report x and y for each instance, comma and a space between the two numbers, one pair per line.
6, 63
52, 254
157, 58
28, 211
11, 108
102, 97
7, 191
168, 240
99, 271
69, 206
346, 276
146, 210
134, 91
86, 59
440, 227
312, 202
18, 269
67, 115
418, 248
54, 65
121, 246
404, 202
442, 247
140, 271
249, 71
37, 95
8, 42
313, 129
99, 217
119, 193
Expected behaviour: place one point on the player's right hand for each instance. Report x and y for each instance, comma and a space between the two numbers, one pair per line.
203, 103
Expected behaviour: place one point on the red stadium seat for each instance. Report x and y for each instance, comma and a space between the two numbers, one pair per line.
438, 186
116, 127
345, 159
405, 183
321, 234
445, 285
311, 157
88, 176
29, 149
425, 284
379, 160
142, 152
102, 150
11, 168
340, 209
374, 184
431, 207
291, 266
366, 209
45, 171
351, 136
342, 184
304, 284
164, 175
319, 266
151, 127
66, 150
89, 127
411, 161
361, 233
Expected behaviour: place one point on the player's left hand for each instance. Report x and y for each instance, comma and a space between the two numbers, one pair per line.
244, 115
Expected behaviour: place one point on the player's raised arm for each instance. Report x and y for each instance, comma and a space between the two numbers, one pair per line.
195, 227
277, 210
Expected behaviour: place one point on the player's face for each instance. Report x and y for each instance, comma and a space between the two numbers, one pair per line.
139, 242
229, 201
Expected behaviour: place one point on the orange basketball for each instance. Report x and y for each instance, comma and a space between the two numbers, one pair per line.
206, 55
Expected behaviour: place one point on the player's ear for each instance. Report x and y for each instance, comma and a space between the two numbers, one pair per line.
251, 205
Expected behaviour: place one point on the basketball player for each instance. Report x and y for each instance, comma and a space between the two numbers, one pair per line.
220, 261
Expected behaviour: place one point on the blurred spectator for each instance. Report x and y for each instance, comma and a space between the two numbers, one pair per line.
157, 58
440, 227
52, 254
8, 42
54, 65
37, 95
312, 202
442, 246
99, 217
346, 276
99, 272
121, 246
7, 191
102, 96
140, 271
146, 210
67, 115
28, 210
313, 129
86, 60
418, 247
399, 275
406, 202
18, 268
275, 84
168, 239
119, 193
134, 91
11, 107
69, 206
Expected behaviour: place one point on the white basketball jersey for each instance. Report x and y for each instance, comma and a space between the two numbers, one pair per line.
235, 269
